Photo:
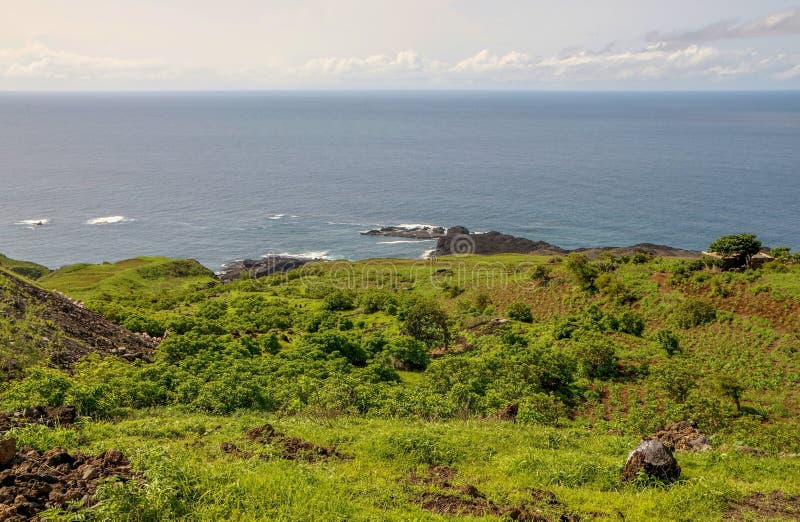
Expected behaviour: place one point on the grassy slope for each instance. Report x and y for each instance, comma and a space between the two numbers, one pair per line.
25, 268
141, 274
755, 340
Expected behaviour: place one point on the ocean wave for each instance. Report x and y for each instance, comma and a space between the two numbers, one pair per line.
276, 216
302, 255
33, 222
411, 226
108, 220
405, 241
350, 224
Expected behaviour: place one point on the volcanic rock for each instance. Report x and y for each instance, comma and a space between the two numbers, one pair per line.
255, 268
459, 241
408, 232
654, 459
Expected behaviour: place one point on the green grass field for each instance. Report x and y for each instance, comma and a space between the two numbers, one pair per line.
402, 366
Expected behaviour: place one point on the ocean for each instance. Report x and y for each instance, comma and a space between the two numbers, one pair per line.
223, 176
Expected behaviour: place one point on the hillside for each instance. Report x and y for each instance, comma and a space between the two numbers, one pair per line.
38, 326
461, 388
23, 268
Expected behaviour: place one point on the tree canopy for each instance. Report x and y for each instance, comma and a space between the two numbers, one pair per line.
742, 246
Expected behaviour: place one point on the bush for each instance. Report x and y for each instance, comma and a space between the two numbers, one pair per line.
630, 323
408, 354
541, 408
519, 311
596, 356
330, 342
377, 300
425, 321
582, 271
338, 300
668, 342
615, 289
692, 312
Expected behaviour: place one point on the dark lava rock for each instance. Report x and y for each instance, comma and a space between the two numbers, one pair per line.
459, 241
654, 459
80, 330
648, 249
255, 268
683, 436
405, 232
37, 481
8, 449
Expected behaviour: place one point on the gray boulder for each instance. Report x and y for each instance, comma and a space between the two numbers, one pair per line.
654, 459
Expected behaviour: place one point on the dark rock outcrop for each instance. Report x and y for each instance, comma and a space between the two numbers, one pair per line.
683, 436
45, 415
35, 481
255, 268
78, 331
654, 459
649, 249
410, 233
459, 241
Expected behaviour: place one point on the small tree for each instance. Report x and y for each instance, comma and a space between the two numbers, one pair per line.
740, 246
426, 322
583, 272
732, 388
519, 311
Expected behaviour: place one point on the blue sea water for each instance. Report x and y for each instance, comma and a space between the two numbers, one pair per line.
222, 176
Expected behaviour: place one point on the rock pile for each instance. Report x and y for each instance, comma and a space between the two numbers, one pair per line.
47, 415
32, 481
683, 436
255, 268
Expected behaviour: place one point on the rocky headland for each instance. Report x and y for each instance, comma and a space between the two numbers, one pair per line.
460, 241
255, 268
422, 232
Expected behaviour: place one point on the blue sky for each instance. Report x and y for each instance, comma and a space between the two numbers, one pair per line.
417, 44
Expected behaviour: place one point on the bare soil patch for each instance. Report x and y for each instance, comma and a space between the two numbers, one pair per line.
443, 497
34, 481
775, 505
289, 448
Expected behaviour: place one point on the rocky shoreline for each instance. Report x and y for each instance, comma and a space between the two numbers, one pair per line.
421, 232
456, 240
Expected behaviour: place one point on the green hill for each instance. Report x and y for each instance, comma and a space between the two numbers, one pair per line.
461, 388
24, 268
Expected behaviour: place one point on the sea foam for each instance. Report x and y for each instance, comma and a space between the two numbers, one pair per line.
108, 220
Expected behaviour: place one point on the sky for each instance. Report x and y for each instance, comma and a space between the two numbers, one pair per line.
412, 44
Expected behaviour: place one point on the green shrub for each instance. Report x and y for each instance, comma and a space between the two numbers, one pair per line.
583, 272
338, 300
424, 320
541, 408
408, 354
377, 300
519, 311
330, 342
692, 312
596, 356
668, 342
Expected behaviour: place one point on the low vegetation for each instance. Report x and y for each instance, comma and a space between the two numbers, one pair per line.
391, 396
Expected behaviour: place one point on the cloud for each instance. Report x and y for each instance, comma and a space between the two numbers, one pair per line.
403, 63
38, 61
653, 63
776, 24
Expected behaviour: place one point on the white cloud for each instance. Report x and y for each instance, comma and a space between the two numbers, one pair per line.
652, 63
38, 61
404, 62
776, 24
